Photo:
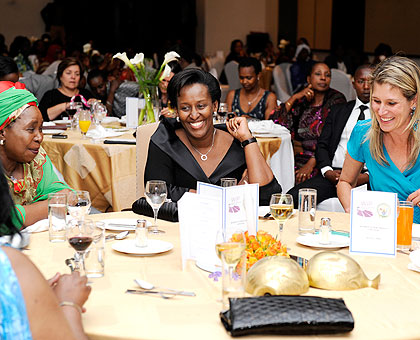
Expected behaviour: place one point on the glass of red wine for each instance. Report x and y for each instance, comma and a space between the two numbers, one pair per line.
80, 236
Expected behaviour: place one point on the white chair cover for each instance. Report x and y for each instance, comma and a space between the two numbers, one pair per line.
280, 84
331, 204
232, 75
286, 70
340, 81
213, 72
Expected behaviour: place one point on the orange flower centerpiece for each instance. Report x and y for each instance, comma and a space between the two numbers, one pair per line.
262, 245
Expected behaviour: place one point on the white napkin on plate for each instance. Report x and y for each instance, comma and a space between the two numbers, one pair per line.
48, 124
266, 128
100, 132
39, 226
107, 120
415, 260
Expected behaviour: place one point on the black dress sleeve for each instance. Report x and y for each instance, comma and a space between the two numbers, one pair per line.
160, 166
267, 190
46, 102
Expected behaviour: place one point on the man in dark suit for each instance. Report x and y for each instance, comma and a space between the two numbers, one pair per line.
332, 143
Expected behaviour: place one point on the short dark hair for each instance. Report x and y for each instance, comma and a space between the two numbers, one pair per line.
315, 64
67, 62
248, 62
7, 66
94, 74
189, 77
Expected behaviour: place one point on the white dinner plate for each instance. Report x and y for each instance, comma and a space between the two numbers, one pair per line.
52, 131
126, 224
62, 121
153, 247
312, 240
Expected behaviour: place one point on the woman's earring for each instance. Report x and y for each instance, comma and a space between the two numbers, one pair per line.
413, 110
2, 141
416, 125
177, 119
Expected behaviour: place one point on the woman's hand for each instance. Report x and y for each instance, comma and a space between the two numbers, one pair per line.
306, 92
238, 128
304, 172
168, 113
415, 197
53, 281
72, 287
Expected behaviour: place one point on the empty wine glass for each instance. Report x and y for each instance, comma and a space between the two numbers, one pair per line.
99, 112
80, 236
281, 208
155, 195
78, 204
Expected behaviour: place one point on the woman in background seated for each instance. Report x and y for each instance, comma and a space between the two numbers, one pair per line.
389, 143
30, 306
191, 149
54, 103
304, 115
251, 101
163, 89
27, 167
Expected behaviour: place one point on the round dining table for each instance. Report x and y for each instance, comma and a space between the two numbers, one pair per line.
389, 312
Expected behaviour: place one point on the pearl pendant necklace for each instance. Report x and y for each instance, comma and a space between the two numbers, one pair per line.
203, 156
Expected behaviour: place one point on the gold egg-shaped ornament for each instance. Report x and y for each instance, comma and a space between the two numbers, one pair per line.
276, 275
336, 271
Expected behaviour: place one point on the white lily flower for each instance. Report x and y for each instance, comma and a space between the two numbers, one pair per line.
123, 57
138, 59
170, 56
166, 72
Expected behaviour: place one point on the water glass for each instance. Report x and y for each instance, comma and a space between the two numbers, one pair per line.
405, 225
228, 182
95, 255
78, 204
307, 210
57, 211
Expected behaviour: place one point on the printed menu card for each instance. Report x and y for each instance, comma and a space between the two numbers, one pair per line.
373, 223
213, 208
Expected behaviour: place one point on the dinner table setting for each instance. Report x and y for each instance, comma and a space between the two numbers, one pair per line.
289, 272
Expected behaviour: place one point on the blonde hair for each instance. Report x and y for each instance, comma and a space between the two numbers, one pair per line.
404, 74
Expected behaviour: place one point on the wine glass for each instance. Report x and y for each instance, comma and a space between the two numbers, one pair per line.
84, 122
80, 236
281, 208
78, 204
71, 111
155, 195
230, 248
99, 112
223, 110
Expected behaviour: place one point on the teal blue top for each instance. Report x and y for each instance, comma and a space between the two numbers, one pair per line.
386, 178
14, 323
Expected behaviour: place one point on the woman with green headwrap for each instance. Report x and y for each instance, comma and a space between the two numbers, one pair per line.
27, 167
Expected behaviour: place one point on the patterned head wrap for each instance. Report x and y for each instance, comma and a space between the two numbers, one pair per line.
14, 99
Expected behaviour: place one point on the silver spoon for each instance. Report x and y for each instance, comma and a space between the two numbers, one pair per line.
149, 286
120, 236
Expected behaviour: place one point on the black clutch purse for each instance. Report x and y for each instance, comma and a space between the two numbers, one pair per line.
168, 211
287, 315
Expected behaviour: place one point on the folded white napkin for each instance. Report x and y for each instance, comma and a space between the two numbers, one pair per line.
107, 120
267, 127
37, 227
100, 132
48, 124
415, 260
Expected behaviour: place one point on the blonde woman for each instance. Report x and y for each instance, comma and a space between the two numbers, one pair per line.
388, 144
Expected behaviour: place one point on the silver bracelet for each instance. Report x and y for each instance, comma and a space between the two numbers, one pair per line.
71, 304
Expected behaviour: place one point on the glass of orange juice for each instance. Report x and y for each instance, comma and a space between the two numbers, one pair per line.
84, 122
405, 225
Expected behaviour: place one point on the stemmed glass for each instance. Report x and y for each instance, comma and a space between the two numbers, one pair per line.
223, 110
78, 204
281, 208
230, 248
84, 122
99, 112
80, 236
155, 195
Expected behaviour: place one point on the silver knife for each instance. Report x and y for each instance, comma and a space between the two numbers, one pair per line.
129, 226
174, 292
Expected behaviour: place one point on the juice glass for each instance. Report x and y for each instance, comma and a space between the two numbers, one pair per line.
84, 122
405, 225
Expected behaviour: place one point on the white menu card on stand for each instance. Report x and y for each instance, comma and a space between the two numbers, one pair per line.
373, 223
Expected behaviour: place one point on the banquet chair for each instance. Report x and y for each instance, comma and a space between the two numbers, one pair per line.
232, 75
340, 81
280, 84
330, 204
286, 70
213, 72
144, 132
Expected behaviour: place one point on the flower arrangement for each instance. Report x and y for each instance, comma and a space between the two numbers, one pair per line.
147, 77
262, 245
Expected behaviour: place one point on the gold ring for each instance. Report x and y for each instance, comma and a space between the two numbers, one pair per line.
308, 92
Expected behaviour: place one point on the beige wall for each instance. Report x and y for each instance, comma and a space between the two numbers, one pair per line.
393, 22
224, 21
314, 22
21, 17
